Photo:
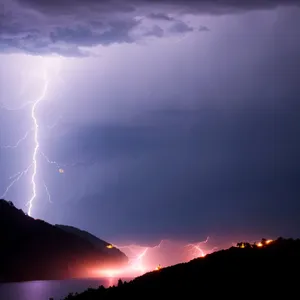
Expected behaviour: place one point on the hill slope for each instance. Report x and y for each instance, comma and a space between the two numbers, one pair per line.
35, 250
96, 242
236, 273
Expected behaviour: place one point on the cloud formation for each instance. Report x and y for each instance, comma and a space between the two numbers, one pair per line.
70, 28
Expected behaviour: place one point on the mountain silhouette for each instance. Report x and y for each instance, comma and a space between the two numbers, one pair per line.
261, 271
99, 244
36, 250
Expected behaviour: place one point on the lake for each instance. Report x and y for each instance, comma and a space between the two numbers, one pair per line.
43, 290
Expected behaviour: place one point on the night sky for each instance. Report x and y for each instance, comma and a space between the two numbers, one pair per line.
171, 119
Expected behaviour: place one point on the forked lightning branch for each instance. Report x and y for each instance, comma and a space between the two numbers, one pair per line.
32, 133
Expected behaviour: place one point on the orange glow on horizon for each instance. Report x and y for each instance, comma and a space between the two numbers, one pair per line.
143, 259
111, 272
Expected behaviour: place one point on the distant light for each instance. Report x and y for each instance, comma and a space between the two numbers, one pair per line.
109, 246
269, 241
158, 268
61, 171
259, 244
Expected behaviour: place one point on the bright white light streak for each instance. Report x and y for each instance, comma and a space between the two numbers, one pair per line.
16, 178
48, 68
36, 142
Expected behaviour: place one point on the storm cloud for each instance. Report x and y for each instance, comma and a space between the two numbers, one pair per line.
187, 121
71, 28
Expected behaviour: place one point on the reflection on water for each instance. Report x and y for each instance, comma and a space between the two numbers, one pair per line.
43, 290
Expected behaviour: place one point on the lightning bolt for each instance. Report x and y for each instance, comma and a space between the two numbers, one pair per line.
36, 145
15, 178
138, 265
51, 162
136, 261
47, 191
142, 259
197, 250
36, 141
137, 254
18, 142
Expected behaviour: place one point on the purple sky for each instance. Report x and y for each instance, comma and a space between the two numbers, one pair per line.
177, 119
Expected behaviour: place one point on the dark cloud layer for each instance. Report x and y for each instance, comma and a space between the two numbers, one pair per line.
125, 6
69, 27
200, 138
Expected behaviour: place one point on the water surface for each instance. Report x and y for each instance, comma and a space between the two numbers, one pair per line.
43, 290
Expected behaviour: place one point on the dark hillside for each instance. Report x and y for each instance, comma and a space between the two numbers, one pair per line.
35, 250
260, 272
